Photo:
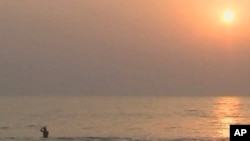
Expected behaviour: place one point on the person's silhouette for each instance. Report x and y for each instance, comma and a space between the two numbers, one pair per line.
45, 132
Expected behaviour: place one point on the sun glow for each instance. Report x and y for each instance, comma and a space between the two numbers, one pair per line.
228, 16
226, 111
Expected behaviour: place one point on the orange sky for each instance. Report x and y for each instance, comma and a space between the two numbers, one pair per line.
125, 46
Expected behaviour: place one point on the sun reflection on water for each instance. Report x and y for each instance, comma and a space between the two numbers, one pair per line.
226, 111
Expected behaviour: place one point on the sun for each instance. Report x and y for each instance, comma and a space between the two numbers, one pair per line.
228, 16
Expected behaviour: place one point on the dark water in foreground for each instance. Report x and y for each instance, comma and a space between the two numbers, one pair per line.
127, 118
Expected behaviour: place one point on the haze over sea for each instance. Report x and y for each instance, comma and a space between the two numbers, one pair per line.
121, 118
71, 64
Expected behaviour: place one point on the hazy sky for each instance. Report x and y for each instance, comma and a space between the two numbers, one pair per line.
121, 47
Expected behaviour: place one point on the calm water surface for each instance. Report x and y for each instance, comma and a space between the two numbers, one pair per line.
116, 118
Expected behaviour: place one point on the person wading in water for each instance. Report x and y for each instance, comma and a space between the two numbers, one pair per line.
45, 132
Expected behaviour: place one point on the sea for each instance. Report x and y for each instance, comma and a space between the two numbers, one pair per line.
121, 118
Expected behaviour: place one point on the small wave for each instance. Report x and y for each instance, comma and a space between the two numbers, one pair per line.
94, 139
171, 127
88, 128
199, 139
31, 126
4, 127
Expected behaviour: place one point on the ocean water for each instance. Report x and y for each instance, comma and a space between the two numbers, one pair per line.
124, 118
